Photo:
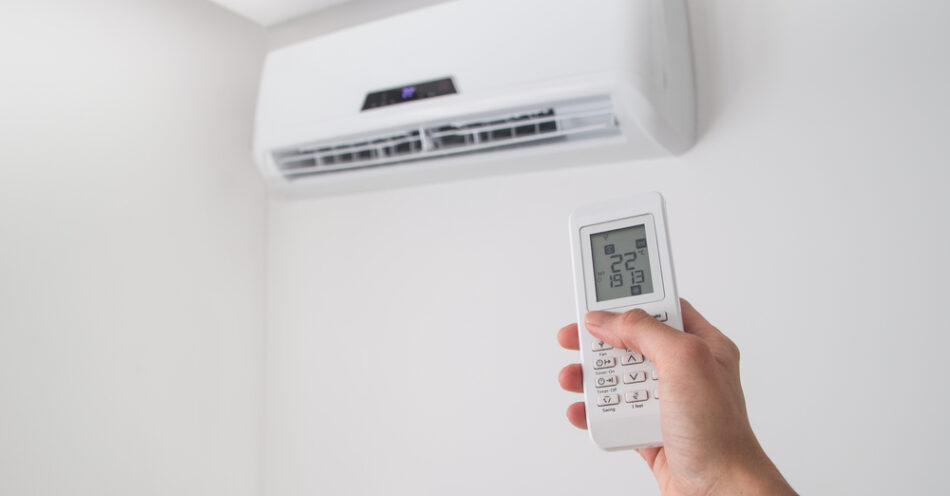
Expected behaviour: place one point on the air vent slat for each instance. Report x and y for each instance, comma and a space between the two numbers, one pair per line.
565, 121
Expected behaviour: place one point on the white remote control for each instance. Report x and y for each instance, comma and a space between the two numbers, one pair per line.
621, 255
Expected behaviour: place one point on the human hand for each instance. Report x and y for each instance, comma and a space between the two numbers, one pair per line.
708, 443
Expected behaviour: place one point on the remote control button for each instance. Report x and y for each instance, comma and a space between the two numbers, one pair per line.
631, 358
656, 393
608, 399
637, 396
634, 377
655, 377
662, 316
606, 381
605, 363
600, 346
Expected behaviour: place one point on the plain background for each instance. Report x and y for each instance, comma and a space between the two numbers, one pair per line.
167, 329
131, 249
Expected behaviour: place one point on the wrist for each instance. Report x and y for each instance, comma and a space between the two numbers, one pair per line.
753, 474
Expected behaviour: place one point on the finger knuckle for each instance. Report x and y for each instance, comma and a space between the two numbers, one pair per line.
733, 349
634, 317
692, 349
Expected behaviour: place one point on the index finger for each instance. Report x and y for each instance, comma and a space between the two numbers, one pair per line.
567, 336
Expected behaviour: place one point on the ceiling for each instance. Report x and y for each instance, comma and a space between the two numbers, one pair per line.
270, 12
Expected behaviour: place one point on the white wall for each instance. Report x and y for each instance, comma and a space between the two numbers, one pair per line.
410, 345
131, 249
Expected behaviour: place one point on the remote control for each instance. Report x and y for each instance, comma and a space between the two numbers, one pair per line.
621, 256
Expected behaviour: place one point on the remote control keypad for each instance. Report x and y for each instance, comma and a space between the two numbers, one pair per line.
634, 377
626, 382
606, 381
636, 396
605, 363
631, 358
629, 383
600, 346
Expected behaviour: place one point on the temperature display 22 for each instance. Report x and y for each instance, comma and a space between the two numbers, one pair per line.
621, 263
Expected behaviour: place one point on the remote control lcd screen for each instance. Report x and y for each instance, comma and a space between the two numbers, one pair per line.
621, 263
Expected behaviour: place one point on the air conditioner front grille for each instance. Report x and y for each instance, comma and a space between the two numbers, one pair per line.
564, 121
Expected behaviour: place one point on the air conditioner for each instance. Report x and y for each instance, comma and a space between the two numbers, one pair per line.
475, 87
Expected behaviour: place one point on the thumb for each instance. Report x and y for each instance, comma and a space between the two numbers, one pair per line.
635, 330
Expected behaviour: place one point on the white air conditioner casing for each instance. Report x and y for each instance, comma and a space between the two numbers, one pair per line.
540, 84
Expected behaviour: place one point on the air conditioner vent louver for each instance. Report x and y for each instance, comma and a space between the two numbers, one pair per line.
565, 121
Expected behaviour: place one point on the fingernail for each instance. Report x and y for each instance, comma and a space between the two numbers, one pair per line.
596, 319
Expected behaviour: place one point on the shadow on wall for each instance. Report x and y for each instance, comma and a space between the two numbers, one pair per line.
337, 17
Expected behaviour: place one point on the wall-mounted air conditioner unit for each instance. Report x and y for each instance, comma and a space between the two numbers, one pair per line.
476, 87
